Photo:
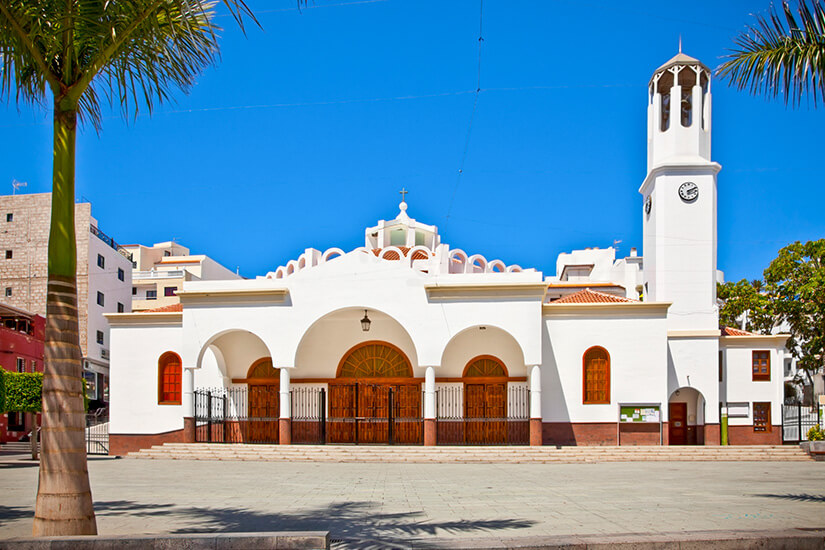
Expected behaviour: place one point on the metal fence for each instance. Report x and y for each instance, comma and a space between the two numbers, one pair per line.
236, 415
97, 433
797, 419
494, 417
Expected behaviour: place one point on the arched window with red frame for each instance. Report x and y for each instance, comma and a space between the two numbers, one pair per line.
169, 379
596, 376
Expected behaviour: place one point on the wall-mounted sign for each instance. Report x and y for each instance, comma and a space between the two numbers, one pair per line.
738, 410
640, 413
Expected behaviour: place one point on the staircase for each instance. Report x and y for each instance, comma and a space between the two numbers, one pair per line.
476, 455
18, 448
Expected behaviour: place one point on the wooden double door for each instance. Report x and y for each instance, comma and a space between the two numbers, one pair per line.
485, 413
263, 414
375, 412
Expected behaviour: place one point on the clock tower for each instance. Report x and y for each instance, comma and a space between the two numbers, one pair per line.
679, 196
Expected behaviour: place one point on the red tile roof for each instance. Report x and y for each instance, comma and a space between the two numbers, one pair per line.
730, 331
171, 308
588, 296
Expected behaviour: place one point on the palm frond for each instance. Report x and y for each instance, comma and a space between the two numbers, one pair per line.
782, 55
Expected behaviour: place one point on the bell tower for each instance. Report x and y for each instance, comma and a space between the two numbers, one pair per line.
679, 196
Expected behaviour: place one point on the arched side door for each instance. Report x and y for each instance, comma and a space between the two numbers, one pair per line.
485, 401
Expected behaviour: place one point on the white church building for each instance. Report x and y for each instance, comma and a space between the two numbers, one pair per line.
409, 341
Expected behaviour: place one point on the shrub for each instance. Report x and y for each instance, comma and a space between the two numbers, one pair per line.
816, 434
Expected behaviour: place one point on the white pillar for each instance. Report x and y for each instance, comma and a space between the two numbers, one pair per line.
535, 391
188, 392
286, 409
429, 393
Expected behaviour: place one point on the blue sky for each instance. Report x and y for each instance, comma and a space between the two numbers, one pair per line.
306, 130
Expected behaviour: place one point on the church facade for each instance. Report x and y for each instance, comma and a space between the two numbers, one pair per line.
409, 341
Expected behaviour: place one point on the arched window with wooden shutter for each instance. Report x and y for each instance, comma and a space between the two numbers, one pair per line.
169, 379
596, 376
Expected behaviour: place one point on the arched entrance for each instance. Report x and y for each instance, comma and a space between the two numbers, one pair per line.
263, 381
485, 400
374, 397
686, 417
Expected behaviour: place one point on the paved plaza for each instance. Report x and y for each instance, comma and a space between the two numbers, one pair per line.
383, 505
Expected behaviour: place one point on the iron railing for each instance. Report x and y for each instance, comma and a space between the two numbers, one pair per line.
94, 230
97, 433
797, 419
503, 420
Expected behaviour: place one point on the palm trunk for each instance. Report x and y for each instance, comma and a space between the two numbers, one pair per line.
64, 497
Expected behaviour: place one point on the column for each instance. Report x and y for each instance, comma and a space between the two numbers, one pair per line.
536, 438
285, 421
429, 407
188, 402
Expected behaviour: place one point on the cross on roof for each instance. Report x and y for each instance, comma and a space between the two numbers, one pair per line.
403, 192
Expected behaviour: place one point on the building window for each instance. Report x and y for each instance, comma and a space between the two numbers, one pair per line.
121, 275
596, 376
761, 366
169, 379
100, 337
101, 261
100, 298
721, 365
169, 290
166, 253
9, 254
151, 294
34, 365
8, 291
761, 417
134, 291
9, 217
16, 422
21, 364
120, 307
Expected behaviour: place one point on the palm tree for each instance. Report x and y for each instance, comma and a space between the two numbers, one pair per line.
134, 53
778, 57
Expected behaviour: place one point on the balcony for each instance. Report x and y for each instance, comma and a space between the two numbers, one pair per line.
110, 241
154, 274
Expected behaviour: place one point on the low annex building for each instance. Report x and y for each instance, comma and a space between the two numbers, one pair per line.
407, 340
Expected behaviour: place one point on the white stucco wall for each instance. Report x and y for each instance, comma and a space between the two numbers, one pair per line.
638, 362
739, 385
693, 362
133, 385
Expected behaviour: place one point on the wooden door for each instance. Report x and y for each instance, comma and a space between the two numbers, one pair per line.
474, 413
677, 424
264, 412
495, 411
373, 411
407, 427
342, 413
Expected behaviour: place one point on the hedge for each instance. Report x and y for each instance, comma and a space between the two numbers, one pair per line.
23, 392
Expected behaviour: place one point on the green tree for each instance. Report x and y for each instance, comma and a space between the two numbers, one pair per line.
795, 283
782, 54
745, 301
74, 53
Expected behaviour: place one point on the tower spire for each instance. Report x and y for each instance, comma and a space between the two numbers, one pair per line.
680, 43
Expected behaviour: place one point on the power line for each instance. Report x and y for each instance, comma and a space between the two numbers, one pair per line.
472, 114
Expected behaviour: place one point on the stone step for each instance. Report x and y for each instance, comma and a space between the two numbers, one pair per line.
355, 453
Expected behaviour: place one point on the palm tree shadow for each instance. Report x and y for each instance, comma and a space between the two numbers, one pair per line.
803, 497
356, 525
11, 513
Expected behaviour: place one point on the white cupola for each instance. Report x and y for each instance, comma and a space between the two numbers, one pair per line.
403, 231
678, 113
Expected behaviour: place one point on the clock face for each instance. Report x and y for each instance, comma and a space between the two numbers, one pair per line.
648, 204
689, 191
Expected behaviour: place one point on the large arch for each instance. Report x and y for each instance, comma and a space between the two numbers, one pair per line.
686, 417
331, 336
229, 354
482, 340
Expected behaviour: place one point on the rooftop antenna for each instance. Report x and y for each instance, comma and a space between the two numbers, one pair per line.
616, 243
15, 185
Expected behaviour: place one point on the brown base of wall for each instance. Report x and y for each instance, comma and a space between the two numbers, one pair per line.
284, 431
744, 435
573, 433
536, 436
121, 444
713, 434
188, 430
430, 438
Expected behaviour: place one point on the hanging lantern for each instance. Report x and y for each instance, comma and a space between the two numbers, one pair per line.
365, 322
